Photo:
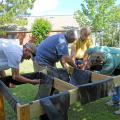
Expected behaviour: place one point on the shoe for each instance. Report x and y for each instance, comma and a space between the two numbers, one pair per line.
117, 112
110, 103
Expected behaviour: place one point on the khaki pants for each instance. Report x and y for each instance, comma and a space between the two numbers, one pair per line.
41, 68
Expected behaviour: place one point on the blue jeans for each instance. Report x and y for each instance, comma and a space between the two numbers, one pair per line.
79, 61
116, 95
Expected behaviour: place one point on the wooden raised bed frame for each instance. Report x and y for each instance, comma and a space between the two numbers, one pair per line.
34, 108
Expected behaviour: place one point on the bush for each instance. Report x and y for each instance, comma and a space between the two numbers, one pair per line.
40, 29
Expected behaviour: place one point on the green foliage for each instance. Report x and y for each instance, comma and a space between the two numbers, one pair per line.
100, 15
40, 29
11, 11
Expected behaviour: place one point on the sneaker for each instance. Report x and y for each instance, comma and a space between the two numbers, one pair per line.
117, 112
110, 103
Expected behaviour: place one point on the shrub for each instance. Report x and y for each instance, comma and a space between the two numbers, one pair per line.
40, 29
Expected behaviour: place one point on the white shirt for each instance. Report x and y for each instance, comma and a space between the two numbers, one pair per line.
10, 54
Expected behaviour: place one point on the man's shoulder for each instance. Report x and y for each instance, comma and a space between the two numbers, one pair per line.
13, 49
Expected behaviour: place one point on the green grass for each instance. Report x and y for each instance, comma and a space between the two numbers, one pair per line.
93, 111
25, 67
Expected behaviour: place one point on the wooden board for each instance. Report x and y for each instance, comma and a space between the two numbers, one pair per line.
2, 113
116, 80
62, 86
96, 76
23, 112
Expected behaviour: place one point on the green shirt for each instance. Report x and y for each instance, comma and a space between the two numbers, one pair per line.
112, 58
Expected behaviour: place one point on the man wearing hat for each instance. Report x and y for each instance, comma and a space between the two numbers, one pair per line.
105, 60
55, 48
11, 55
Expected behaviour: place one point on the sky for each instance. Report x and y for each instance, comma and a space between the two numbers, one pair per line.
56, 7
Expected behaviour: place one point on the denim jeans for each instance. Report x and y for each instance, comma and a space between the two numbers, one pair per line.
116, 94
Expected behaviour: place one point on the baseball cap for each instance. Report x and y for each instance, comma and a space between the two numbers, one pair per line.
32, 48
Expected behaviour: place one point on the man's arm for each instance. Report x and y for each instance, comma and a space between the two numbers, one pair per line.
16, 76
85, 61
73, 52
68, 60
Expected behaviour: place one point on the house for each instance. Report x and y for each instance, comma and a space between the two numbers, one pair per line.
60, 23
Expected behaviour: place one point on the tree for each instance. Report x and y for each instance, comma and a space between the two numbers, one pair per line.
40, 29
100, 15
12, 11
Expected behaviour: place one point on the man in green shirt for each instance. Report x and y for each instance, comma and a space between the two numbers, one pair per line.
104, 60
106, 57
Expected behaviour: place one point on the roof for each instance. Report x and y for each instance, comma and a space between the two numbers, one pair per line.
59, 22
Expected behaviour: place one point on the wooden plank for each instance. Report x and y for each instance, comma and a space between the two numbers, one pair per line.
116, 80
73, 95
96, 76
62, 85
36, 109
2, 113
23, 112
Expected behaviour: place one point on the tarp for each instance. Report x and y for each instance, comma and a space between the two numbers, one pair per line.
56, 107
11, 99
94, 91
59, 73
8, 79
88, 91
80, 77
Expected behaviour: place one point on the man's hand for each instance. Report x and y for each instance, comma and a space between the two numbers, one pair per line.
35, 81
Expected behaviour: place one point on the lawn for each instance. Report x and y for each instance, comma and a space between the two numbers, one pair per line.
92, 111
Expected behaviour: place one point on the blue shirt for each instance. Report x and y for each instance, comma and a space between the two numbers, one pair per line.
112, 58
51, 50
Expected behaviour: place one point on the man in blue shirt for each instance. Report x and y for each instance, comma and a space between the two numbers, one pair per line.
55, 48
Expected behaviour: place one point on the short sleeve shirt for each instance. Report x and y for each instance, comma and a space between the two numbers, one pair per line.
10, 54
112, 58
52, 49
82, 46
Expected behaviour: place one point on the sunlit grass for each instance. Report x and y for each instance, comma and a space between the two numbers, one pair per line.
25, 67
